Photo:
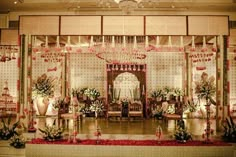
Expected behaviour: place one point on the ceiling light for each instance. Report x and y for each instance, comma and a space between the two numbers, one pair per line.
128, 5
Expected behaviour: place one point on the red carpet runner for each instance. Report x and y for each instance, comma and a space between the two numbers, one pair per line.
131, 142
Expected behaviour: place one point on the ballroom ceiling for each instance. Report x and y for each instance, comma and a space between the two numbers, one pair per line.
111, 5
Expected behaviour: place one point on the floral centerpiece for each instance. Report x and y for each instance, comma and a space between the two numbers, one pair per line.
205, 87
178, 92
18, 141
92, 93
43, 87
52, 132
158, 93
181, 134
6, 129
97, 107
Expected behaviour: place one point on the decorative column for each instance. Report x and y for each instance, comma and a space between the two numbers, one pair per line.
226, 88
18, 101
227, 111
221, 73
22, 75
30, 106
186, 74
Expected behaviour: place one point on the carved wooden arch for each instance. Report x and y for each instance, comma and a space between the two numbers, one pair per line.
139, 70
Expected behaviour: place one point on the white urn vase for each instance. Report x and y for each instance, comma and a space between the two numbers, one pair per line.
42, 105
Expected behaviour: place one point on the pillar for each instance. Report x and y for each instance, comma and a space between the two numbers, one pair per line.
222, 94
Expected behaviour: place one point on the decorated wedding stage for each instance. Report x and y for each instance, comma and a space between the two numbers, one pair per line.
110, 145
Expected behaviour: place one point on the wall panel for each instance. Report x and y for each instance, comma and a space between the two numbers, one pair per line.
208, 25
123, 25
80, 25
166, 25
39, 25
9, 37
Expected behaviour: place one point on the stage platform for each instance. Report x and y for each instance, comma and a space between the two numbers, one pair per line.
119, 146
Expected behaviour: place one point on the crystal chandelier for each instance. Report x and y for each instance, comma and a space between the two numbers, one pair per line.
128, 5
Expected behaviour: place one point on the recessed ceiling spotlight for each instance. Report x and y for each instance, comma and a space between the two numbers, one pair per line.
172, 6
18, 1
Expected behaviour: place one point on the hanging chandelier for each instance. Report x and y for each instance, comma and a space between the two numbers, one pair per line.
128, 5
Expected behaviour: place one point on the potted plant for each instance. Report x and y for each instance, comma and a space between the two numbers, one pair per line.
42, 89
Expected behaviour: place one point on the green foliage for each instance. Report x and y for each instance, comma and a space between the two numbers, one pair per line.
6, 129
205, 87
43, 86
52, 132
181, 134
17, 141
229, 130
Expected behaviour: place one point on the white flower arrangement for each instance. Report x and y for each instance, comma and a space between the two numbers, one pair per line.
96, 106
178, 92
92, 93
157, 93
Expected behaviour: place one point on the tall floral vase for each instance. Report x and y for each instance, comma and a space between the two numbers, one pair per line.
42, 105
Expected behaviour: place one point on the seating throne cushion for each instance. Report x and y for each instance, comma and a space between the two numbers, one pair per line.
135, 109
114, 110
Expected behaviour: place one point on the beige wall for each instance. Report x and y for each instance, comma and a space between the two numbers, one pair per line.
15, 15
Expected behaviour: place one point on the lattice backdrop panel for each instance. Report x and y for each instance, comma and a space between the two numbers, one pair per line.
210, 69
40, 67
9, 72
165, 69
86, 70
232, 79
